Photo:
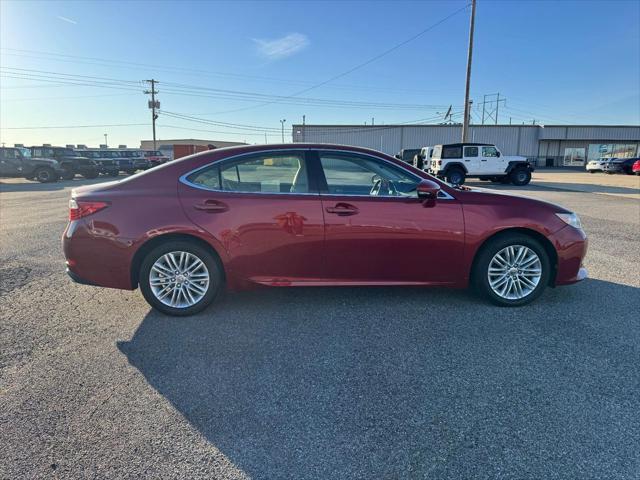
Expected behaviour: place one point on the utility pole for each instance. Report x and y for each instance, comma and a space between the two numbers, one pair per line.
153, 105
105, 140
467, 109
304, 122
372, 121
282, 124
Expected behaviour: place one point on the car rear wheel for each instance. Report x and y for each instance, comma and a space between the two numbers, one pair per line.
45, 175
512, 270
456, 176
520, 176
180, 278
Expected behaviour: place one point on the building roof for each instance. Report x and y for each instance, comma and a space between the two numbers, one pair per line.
189, 141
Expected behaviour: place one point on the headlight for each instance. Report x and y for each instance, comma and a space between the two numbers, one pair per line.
570, 219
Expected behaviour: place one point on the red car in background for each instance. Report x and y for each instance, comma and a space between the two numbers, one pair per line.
635, 168
312, 215
155, 157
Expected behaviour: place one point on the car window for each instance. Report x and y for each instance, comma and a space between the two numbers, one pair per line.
360, 175
451, 152
266, 173
489, 152
470, 151
10, 154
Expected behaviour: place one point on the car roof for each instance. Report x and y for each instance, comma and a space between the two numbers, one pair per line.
467, 144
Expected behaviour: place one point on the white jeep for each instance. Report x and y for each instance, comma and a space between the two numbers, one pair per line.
457, 161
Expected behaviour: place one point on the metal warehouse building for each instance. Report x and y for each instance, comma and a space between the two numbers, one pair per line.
547, 145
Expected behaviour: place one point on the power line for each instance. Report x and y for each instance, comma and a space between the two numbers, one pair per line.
199, 72
363, 64
206, 92
74, 126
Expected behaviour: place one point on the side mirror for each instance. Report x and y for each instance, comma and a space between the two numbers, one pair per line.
428, 190
498, 154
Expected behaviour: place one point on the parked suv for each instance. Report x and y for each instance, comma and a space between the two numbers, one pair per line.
106, 164
155, 157
71, 162
457, 161
139, 162
407, 154
422, 160
17, 162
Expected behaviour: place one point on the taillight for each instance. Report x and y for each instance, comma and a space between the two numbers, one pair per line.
80, 208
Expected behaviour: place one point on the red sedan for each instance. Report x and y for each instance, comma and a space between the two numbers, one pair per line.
312, 215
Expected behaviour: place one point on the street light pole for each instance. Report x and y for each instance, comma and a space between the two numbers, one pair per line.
105, 140
467, 109
282, 124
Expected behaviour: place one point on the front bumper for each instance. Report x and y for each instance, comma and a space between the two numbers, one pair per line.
571, 246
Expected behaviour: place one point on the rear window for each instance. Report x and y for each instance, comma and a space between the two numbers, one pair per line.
452, 152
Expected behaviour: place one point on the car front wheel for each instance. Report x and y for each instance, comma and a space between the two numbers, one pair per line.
520, 176
512, 270
180, 278
45, 175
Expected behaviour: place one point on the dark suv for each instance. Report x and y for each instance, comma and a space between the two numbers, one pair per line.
17, 162
71, 162
106, 163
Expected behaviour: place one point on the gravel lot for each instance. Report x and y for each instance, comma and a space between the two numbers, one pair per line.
321, 383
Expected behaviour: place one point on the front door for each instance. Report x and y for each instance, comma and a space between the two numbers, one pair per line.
10, 162
264, 214
490, 161
378, 231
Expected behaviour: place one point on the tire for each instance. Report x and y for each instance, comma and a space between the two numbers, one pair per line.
68, 175
591, 171
520, 176
113, 174
45, 175
91, 174
212, 267
130, 172
456, 176
485, 257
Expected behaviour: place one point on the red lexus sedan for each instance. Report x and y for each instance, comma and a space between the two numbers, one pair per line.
312, 215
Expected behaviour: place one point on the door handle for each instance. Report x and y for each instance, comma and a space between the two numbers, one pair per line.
211, 206
343, 209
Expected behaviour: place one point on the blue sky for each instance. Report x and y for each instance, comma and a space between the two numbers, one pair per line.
554, 61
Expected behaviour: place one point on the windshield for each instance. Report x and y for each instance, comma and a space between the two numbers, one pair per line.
67, 152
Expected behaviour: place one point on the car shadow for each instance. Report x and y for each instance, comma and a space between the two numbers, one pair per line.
402, 382
23, 185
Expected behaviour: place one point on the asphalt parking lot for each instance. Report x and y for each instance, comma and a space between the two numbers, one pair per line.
375, 383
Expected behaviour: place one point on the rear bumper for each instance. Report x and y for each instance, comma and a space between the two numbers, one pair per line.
78, 279
96, 256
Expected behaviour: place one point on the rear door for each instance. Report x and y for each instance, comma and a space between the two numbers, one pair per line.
376, 229
265, 213
472, 160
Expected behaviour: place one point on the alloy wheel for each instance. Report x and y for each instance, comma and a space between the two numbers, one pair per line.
514, 272
179, 279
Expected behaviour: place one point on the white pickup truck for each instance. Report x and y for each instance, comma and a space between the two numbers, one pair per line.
457, 161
